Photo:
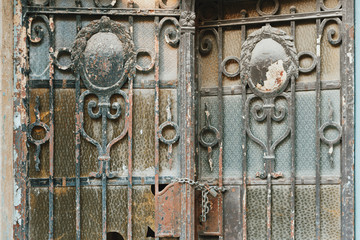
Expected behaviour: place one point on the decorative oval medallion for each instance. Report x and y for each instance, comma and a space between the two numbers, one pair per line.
268, 61
267, 65
103, 59
103, 55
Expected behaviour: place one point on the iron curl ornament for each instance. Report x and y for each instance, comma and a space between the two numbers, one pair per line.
103, 54
269, 61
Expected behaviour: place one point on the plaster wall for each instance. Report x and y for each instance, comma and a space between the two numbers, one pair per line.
6, 119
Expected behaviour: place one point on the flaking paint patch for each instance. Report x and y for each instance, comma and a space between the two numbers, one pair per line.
350, 56
17, 202
17, 120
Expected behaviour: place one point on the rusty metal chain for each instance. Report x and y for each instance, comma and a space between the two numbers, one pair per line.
205, 190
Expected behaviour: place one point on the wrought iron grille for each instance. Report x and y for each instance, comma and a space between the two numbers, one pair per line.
99, 103
272, 125
142, 119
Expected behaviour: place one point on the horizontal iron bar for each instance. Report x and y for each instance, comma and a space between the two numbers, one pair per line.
281, 181
123, 181
103, 11
71, 84
271, 18
305, 86
87, 181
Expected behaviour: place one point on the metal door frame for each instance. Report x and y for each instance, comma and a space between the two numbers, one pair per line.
187, 137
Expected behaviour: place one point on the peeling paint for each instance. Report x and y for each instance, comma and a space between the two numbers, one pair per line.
350, 56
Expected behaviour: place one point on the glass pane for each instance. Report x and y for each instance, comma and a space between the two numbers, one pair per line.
64, 213
39, 213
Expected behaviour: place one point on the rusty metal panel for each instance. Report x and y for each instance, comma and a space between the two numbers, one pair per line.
168, 216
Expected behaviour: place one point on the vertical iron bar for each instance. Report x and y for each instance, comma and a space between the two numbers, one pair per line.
243, 144
27, 105
103, 199
51, 126
221, 119
157, 91
269, 165
269, 201
347, 108
317, 125
293, 139
102, 169
78, 144
130, 183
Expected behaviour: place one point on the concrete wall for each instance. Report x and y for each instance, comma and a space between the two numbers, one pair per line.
6, 119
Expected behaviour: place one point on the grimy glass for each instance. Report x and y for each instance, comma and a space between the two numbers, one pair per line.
184, 119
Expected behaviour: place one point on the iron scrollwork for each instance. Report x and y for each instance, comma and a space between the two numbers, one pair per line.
330, 142
36, 33
163, 5
208, 128
268, 71
171, 124
103, 54
38, 142
172, 34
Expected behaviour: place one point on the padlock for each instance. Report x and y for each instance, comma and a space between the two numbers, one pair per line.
213, 192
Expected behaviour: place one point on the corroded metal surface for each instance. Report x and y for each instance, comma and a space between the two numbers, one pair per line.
136, 98
105, 56
227, 29
168, 218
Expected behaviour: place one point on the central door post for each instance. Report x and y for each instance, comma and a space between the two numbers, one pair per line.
187, 119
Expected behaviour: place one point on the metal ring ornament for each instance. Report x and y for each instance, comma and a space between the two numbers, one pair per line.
209, 129
152, 63
312, 66
99, 3
273, 12
172, 140
223, 66
164, 6
324, 8
38, 141
332, 125
56, 58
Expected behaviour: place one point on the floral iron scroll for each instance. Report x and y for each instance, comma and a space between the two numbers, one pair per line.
269, 62
103, 54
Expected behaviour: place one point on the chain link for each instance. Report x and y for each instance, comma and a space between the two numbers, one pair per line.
205, 190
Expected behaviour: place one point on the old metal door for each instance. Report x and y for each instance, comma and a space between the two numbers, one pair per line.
108, 144
275, 119
104, 119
